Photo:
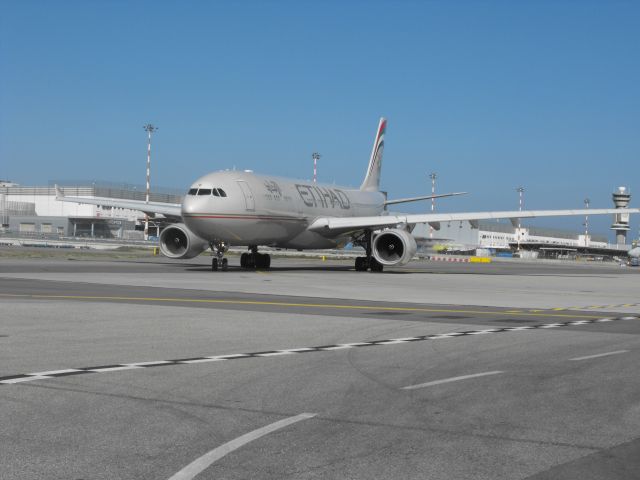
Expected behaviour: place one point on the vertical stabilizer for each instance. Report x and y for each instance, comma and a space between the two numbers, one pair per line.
372, 180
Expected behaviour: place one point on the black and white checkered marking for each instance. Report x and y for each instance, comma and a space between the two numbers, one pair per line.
29, 377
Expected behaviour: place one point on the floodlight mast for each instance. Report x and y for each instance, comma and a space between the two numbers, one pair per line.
433, 177
149, 128
316, 156
520, 191
587, 201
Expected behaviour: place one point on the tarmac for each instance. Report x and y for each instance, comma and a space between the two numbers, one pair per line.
151, 369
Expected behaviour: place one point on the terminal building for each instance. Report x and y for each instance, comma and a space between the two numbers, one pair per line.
504, 237
492, 238
34, 211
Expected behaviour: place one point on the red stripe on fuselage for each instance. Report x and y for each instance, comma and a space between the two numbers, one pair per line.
246, 217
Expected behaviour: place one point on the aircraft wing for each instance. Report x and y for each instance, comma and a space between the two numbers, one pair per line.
424, 197
336, 226
166, 209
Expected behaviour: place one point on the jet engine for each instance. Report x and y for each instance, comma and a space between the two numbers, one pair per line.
177, 241
394, 247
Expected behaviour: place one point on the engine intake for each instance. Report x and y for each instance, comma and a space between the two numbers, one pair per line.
177, 241
394, 247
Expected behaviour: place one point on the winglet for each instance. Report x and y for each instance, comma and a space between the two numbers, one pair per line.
59, 194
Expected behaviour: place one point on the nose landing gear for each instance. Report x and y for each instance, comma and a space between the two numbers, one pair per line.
222, 264
218, 261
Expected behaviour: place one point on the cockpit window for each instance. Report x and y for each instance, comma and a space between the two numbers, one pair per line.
216, 192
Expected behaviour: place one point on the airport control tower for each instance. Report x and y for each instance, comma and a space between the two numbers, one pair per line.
621, 199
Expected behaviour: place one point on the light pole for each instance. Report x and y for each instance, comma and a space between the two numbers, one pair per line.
586, 223
316, 156
520, 191
149, 129
433, 177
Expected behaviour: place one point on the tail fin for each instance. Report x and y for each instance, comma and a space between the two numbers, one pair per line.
372, 180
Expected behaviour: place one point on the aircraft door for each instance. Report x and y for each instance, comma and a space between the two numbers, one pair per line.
250, 202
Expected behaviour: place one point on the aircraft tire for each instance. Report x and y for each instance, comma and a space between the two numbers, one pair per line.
243, 260
225, 265
214, 264
360, 264
375, 265
266, 261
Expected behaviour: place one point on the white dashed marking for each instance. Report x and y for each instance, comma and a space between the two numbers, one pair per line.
114, 369
56, 372
598, 355
148, 364
24, 379
273, 354
203, 360
28, 377
452, 379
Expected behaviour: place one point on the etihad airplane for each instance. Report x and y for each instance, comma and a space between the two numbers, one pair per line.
241, 208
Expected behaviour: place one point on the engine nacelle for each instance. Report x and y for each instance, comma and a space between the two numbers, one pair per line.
177, 241
394, 247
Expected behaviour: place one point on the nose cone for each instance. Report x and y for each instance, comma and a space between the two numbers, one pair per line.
188, 205
193, 211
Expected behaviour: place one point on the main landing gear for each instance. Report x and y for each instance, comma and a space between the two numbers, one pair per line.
254, 259
367, 262
218, 261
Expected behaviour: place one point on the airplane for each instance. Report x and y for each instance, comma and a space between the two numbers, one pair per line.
242, 208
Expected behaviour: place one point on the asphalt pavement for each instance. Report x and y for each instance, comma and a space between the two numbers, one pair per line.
146, 369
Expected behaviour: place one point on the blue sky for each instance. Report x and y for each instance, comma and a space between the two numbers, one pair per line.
489, 94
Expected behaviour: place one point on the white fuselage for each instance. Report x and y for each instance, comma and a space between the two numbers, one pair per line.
273, 211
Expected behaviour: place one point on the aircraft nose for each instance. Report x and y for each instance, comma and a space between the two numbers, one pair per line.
188, 204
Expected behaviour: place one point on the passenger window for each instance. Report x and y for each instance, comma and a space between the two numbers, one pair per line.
215, 192
193, 191
222, 192
204, 191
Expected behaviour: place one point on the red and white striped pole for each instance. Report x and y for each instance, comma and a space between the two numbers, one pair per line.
316, 157
586, 223
149, 129
520, 191
433, 177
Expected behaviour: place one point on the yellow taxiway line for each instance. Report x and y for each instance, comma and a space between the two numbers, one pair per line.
294, 304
